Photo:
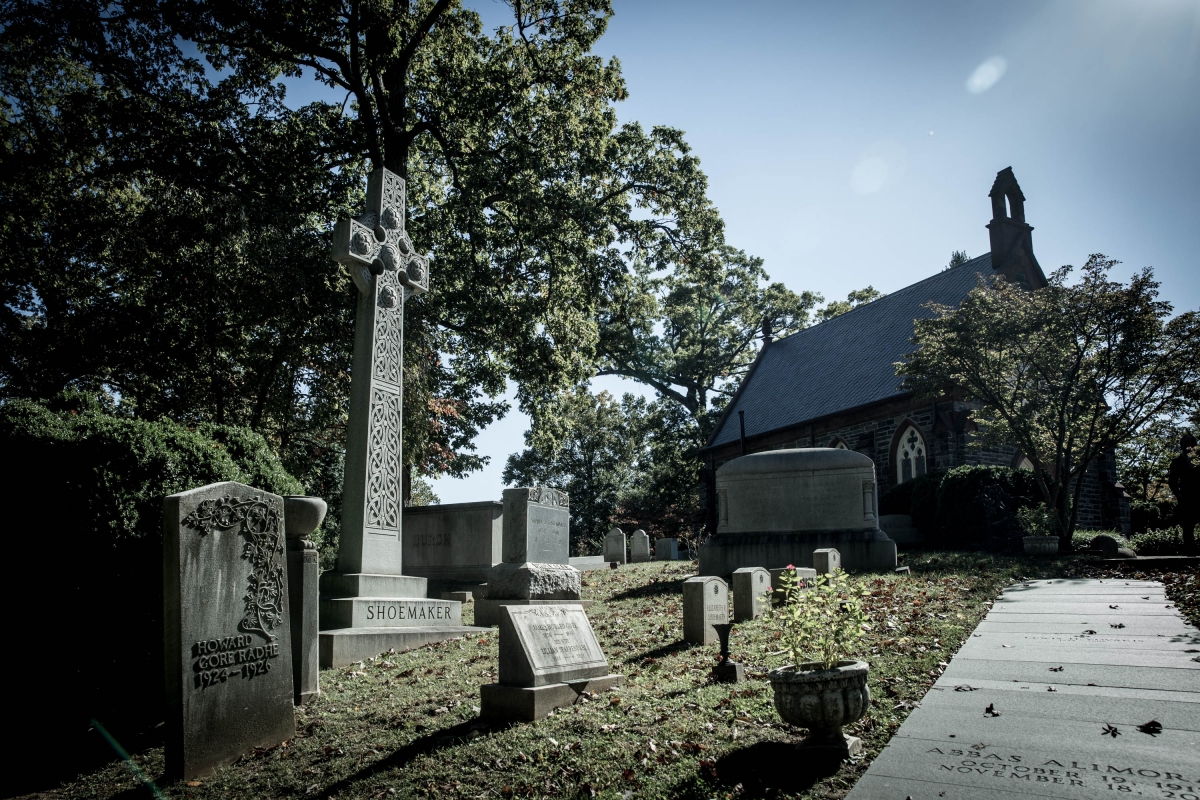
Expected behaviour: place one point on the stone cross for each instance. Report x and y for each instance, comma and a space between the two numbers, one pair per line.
387, 271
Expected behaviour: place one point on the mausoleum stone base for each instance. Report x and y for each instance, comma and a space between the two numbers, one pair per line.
487, 610
860, 550
345, 646
506, 703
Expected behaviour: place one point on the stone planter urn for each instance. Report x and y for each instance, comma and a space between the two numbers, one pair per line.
1040, 545
823, 700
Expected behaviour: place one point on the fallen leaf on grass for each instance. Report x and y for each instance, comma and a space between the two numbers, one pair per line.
991, 711
1109, 730
1153, 727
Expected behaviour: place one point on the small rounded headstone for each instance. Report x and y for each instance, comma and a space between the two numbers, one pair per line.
1107, 546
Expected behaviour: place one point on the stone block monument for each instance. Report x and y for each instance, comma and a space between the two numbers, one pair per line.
454, 546
827, 561
549, 656
777, 507
227, 630
666, 550
639, 547
705, 604
535, 570
368, 605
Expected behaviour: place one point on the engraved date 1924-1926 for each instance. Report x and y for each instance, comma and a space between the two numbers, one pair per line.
218, 660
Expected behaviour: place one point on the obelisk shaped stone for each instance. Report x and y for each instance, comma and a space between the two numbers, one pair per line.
386, 270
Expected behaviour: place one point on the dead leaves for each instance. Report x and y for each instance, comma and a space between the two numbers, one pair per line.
1153, 727
1110, 730
966, 687
991, 711
1056, 669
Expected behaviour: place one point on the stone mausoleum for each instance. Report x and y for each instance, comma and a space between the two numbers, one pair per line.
834, 385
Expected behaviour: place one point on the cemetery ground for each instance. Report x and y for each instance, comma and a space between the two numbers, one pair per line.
406, 724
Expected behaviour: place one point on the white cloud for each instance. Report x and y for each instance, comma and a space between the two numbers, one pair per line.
987, 75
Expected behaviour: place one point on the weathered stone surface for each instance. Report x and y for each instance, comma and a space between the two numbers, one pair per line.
487, 610
537, 526
540, 645
705, 603
666, 550
827, 560
302, 516
227, 644
548, 656
453, 543
778, 506
614, 546
529, 703
1048, 739
750, 585
387, 271
639, 547
530, 581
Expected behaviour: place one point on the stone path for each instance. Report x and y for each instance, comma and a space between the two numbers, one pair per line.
1126, 656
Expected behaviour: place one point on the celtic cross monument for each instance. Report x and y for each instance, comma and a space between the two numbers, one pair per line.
387, 271
368, 605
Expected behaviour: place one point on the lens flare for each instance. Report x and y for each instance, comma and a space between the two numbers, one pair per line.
987, 75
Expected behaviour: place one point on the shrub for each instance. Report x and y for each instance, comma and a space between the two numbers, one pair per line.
960, 519
897, 500
923, 506
89, 487
1160, 542
1145, 515
823, 621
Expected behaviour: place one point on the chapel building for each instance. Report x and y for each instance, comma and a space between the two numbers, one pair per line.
835, 385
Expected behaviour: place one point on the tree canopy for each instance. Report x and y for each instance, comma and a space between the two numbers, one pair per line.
1066, 372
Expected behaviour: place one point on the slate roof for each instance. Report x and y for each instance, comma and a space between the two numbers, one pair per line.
845, 362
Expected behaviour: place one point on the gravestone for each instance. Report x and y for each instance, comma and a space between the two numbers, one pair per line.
227, 637
536, 525
666, 550
750, 586
368, 605
639, 547
705, 603
776, 507
826, 561
453, 545
614, 546
548, 657
303, 515
805, 578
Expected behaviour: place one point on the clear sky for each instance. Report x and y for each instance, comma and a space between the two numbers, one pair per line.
854, 143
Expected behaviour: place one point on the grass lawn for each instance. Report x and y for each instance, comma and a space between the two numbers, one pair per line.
406, 725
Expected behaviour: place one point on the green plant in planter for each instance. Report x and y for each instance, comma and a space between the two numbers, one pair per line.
823, 621
1037, 521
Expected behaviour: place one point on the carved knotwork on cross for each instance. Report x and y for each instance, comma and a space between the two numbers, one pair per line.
375, 242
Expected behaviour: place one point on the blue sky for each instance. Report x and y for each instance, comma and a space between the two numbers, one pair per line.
854, 143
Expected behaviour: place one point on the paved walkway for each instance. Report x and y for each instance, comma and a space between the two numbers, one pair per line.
1062, 662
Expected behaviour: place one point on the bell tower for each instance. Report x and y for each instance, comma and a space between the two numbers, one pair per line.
1011, 236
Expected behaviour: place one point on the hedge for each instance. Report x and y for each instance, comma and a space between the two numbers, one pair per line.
87, 487
960, 519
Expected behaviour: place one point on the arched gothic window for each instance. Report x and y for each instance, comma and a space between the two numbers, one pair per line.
910, 455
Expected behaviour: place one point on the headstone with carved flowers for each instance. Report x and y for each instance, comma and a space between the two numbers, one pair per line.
228, 653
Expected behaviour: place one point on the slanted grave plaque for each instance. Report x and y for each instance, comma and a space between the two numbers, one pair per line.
227, 643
